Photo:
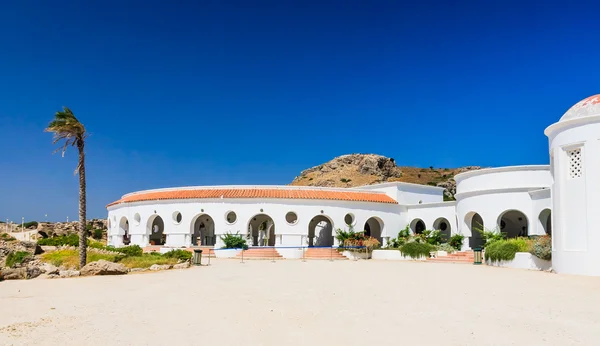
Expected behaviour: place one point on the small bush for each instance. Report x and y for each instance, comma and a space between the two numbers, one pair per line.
129, 251
434, 237
97, 234
6, 237
30, 224
446, 247
344, 180
416, 250
542, 248
501, 250
16, 258
456, 241
524, 244
234, 241
179, 254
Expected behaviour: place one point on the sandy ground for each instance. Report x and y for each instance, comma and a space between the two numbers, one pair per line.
306, 303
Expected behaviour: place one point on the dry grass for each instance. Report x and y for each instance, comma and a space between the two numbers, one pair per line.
69, 258
340, 176
146, 261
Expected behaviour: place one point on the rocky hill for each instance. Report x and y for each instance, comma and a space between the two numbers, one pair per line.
366, 169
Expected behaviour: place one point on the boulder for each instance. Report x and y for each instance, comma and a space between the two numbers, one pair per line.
183, 265
14, 273
103, 267
49, 268
160, 267
68, 273
33, 272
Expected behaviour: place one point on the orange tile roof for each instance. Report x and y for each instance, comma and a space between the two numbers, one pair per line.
355, 196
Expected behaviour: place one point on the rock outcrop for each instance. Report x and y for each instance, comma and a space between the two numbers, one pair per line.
103, 267
366, 169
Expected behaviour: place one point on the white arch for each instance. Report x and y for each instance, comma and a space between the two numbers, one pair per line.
513, 223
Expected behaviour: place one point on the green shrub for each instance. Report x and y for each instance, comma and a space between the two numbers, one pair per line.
524, 244
446, 247
16, 258
234, 241
98, 234
129, 251
542, 248
416, 250
433, 237
501, 250
456, 241
344, 180
6, 237
489, 236
30, 224
70, 240
179, 254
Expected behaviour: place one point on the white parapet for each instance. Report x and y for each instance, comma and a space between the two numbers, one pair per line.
393, 255
523, 260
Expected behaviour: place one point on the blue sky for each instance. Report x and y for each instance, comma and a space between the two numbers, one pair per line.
228, 92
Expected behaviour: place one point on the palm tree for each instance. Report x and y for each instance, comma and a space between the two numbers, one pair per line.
66, 127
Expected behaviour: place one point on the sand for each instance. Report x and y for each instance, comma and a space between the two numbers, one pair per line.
306, 303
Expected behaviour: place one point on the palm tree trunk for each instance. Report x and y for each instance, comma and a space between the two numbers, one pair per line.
82, 206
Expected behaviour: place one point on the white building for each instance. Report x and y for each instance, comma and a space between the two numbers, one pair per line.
557, 199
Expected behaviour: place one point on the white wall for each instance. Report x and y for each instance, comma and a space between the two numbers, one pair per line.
431, 212
524, 177
492, 192
286, 234
576, 201
406, 193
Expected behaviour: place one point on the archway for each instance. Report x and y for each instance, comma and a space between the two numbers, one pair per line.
373, 228
443, 225
546, 221
513, 223
261, 230
155, 228
475, 224
203, 230
417, 226
124, 230
320, 231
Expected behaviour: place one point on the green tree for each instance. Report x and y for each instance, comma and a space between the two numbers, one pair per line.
68, 131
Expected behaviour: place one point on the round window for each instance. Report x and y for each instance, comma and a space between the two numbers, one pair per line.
137, 218
177, 217
443, 226
231, 217
349, 219
291, 218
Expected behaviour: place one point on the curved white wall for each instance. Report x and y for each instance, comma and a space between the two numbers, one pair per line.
576, 196
492, 192
245, 209
502, 178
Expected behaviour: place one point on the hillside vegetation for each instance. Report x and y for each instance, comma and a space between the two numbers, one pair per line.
367, 169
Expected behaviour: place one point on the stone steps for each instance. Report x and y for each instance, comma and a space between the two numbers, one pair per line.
260, 253
466, 257
323, 253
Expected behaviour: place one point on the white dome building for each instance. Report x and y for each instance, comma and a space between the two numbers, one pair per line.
574, 143
561, 199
